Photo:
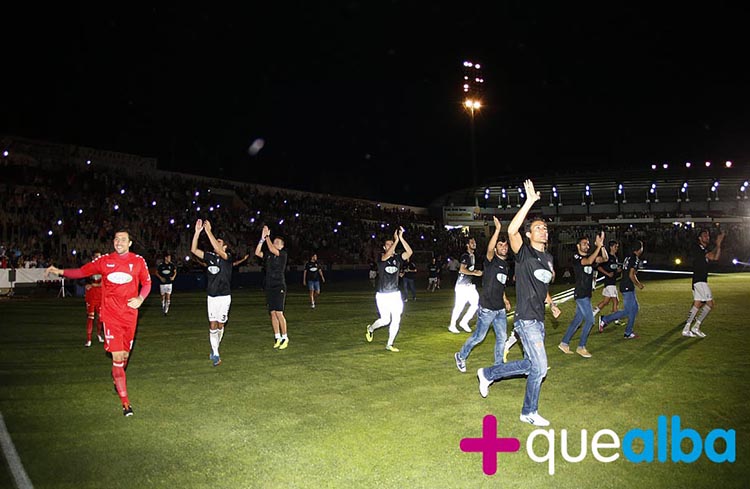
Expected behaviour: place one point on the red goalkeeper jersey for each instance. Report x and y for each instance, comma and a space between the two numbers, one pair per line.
122, 278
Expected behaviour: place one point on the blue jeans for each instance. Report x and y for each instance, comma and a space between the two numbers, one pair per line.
500, 325
630, 309
585, 314
410, 288
534, 363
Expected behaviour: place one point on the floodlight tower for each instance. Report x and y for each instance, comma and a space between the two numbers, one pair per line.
473, 84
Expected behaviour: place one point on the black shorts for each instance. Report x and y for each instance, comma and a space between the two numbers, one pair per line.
275, 298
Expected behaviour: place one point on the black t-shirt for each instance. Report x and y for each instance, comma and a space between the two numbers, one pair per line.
219, 274
627, 285
494, 278
611, 265
467, 259
388, 271
275, 269
700, 263
313, 271
433, 270
534, 272
584, 276
410, 270
166, 270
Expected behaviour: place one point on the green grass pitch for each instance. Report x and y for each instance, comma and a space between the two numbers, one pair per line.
333, 411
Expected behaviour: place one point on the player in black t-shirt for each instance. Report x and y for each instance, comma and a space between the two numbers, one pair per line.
583, 266
218, 287
275, 284
534, 271
628, 285
167, 272
701, 254
611, 269
493, 303
388, 296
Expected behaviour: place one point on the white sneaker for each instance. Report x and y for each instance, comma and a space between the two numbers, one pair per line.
484, 384
465, 327
101, 340
87, 344
453, 329
697, 332
534, 418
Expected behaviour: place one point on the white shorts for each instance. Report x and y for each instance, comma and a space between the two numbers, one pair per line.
218, 308
373, 274
390, 304
432, 280
610, 291
165, 288
467, 293
701, 292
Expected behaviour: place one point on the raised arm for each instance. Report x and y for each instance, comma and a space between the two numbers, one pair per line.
407, 249
218, 249
493, 240
595, 256
194, 246
715, 254
514, 235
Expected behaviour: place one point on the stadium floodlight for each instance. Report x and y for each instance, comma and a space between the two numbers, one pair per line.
688, 164
728, 164
708, 163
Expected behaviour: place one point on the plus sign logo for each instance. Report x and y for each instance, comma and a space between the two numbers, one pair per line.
489, 444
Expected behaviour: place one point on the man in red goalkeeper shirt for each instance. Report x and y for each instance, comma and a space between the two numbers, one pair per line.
123, 274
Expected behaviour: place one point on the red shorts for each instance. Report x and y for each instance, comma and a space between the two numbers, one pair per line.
118, 337
92, 307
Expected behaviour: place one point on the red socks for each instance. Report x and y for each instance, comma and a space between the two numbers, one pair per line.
118, 374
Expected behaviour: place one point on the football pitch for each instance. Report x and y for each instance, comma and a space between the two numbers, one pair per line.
333, 411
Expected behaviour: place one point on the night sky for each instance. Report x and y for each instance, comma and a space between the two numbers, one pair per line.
364, 98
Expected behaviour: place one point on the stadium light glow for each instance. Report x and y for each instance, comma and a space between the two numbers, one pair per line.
688, 164
728, 164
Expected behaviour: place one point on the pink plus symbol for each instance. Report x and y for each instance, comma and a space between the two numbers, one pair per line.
489, 445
